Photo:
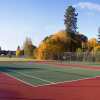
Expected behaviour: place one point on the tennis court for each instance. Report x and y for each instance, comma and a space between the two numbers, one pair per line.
47, 81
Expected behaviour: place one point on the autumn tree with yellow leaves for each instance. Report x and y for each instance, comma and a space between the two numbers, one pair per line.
56, 44
92, 43
28, 48
18, 51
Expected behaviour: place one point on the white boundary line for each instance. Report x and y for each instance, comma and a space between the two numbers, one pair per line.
29, 84
49, 82
26, 83
35, 77
67, 67
57, 83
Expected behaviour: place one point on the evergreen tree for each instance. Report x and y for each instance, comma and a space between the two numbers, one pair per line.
0, 48
18, 48
70, 20
99, 35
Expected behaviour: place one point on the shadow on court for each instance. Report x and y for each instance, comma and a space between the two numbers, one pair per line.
7, 69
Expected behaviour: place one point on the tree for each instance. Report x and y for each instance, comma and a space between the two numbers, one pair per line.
92, 43
28, 47
54, 45
0, 48
18, 51
81, 41
70, 20
99, 35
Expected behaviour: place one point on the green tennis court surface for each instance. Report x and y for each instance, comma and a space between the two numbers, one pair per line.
42, 74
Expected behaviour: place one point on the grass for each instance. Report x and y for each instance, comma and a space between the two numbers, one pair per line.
15, 59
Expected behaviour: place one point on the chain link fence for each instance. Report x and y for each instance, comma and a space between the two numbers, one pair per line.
79, 57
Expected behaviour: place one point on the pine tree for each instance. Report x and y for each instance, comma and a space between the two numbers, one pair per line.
70, 20
99, 35
18, 48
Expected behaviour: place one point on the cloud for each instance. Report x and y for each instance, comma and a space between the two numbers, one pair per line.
88, 5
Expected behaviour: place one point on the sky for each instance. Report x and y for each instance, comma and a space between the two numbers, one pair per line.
39, 18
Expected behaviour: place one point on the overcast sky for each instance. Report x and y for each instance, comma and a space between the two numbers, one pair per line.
39, 18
